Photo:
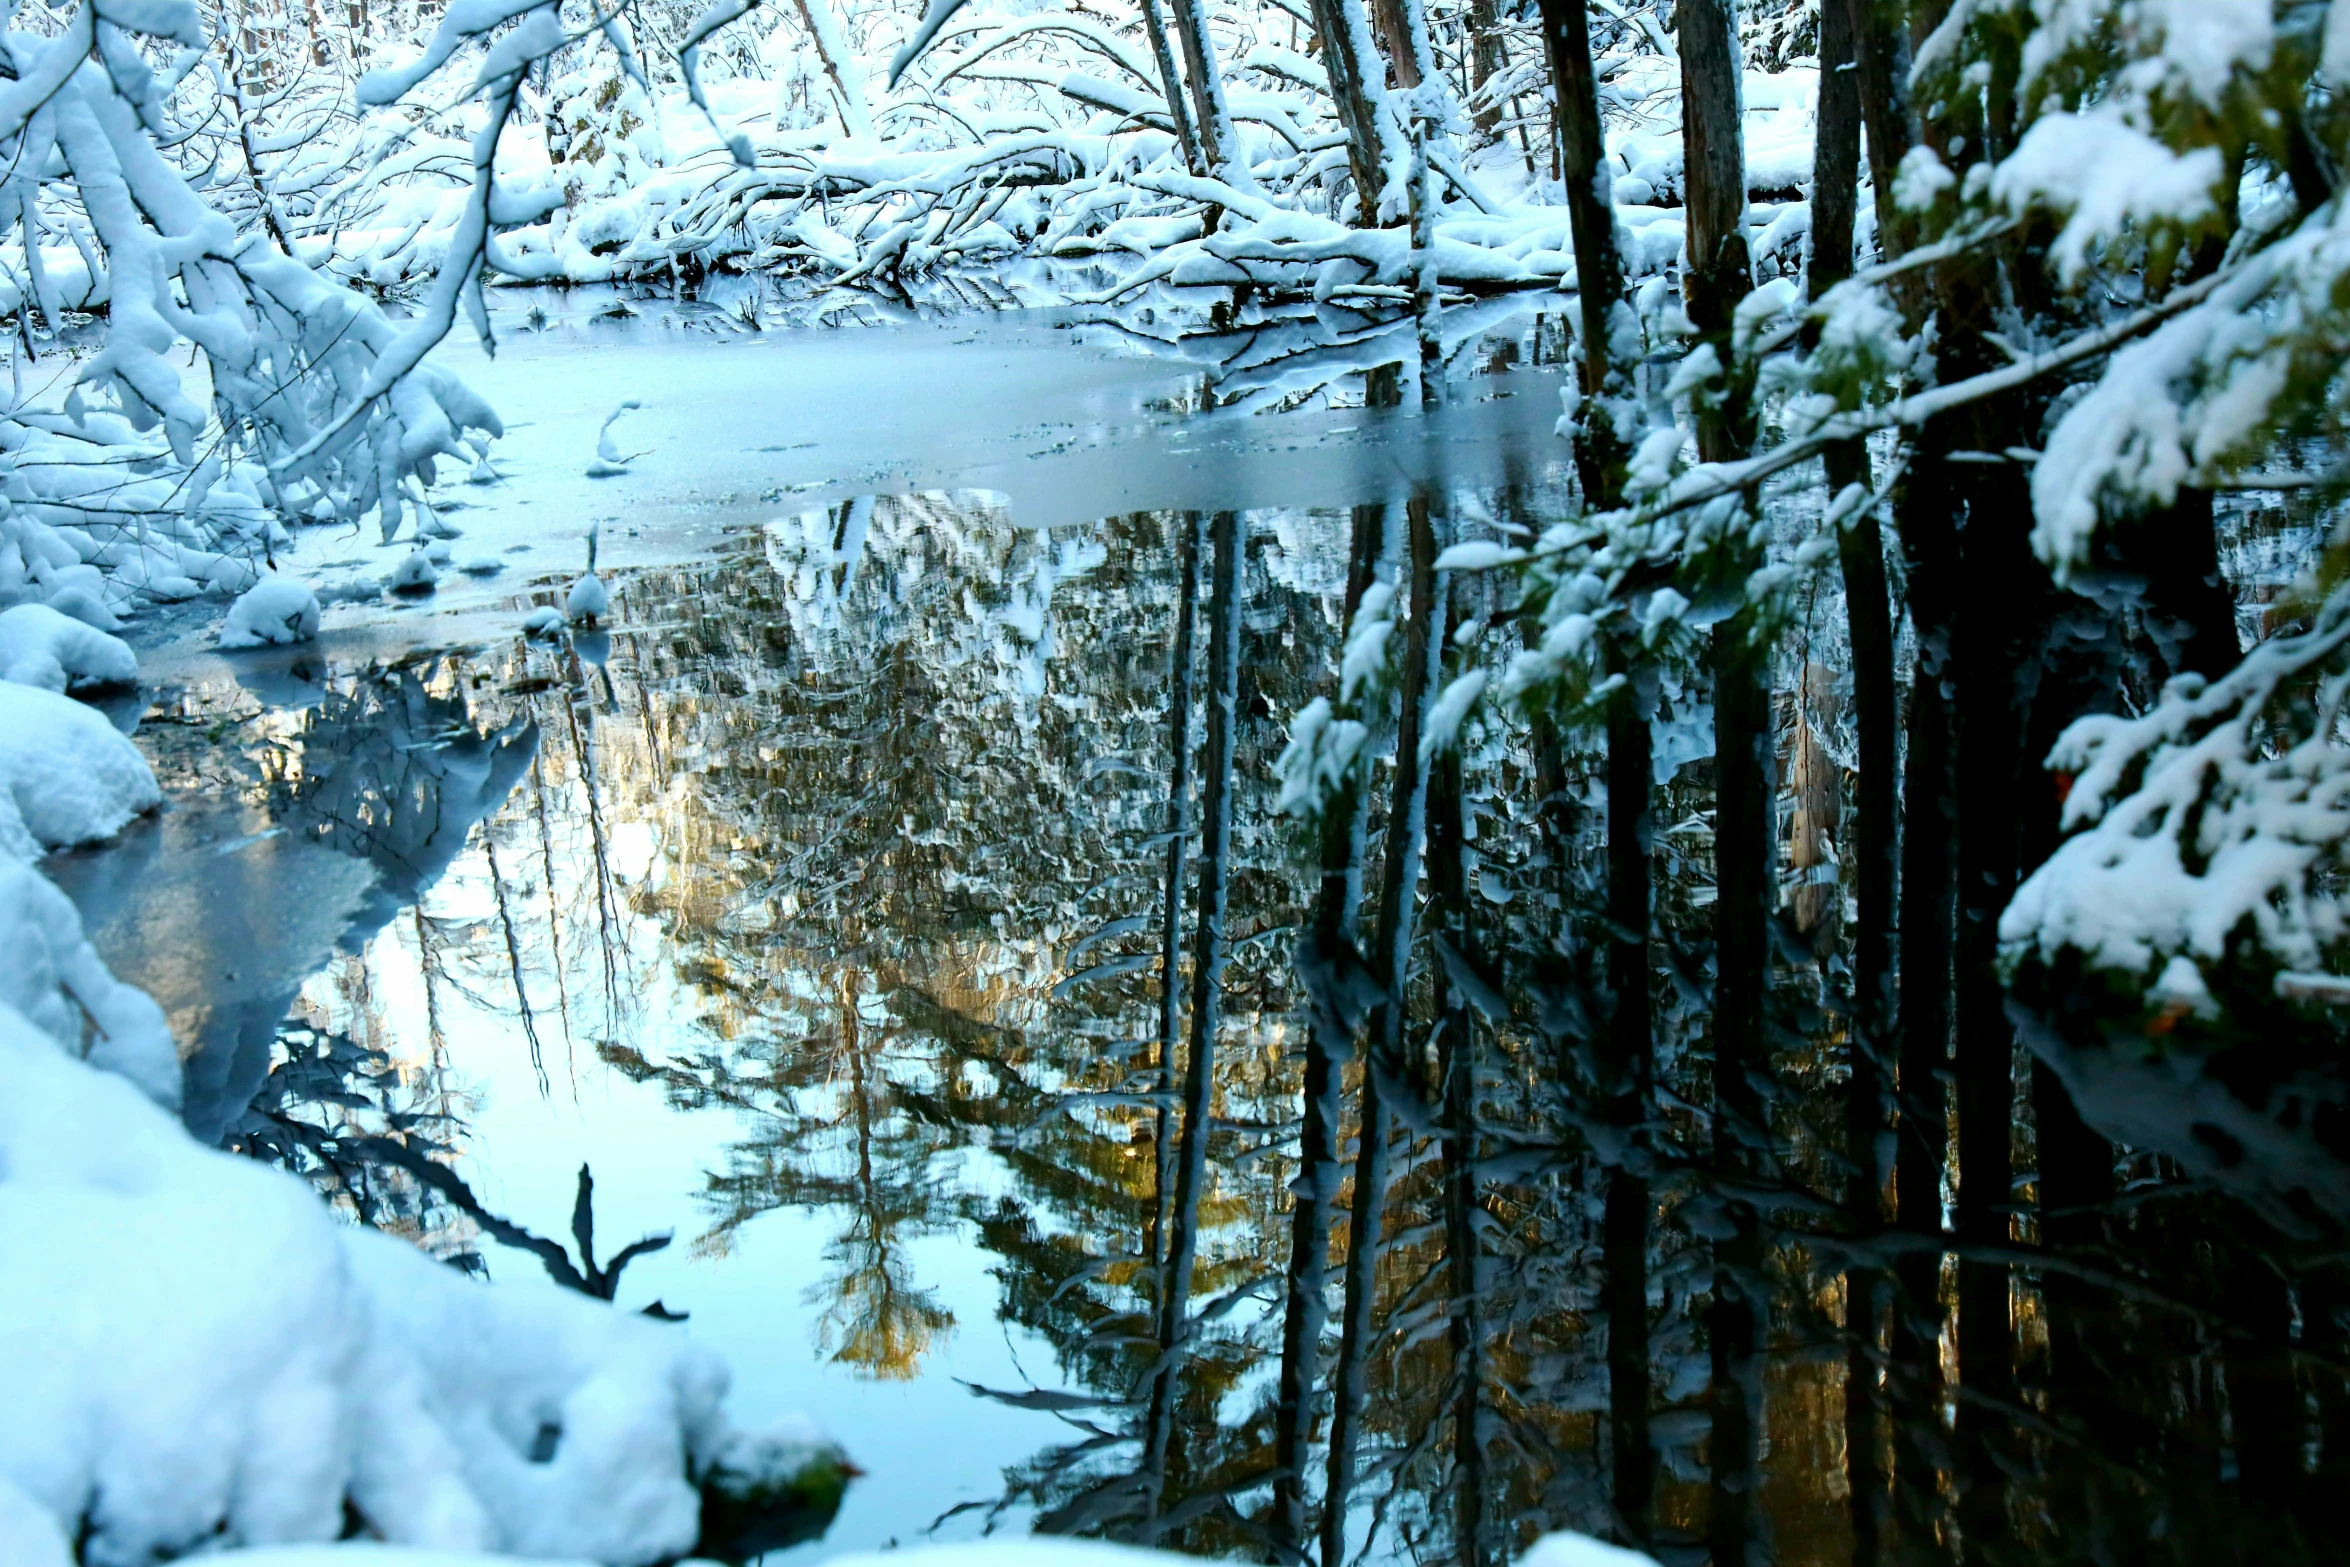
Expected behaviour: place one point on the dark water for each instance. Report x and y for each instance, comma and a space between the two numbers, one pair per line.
820, 907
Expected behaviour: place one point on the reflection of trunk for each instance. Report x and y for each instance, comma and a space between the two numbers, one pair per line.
1718, 277
1450, 870
1423, 643
1179, 684
1154, 23
1627, 1051
1207, 976
530, 1027
1914, 1356
538, 793
1352, 63
1336, 906
1861, 555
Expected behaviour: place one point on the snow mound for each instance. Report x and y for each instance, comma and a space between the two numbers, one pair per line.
274, 610
588, 600
66, 775
413, 575
198, 1355
41, 647
544, 621
1580, 1550
54, 977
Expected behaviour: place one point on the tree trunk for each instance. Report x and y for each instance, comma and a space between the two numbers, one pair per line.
1219, 144
1599, 263
1154, 24
1868, 611
1351, 59
1719, 275
1626, 1063
1449, 878
1486, 61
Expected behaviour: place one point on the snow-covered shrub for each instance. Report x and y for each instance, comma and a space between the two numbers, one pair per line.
41, 647
198, 1354
54, 978
66, 775
273, 611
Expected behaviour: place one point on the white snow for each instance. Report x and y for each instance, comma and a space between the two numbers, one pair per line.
2108, 175
415, 574
2216, 813
198, 1353
588, 601
41, 647
274, 610
51, 975
66, 775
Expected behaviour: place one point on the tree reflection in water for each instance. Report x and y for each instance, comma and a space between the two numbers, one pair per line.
863, 833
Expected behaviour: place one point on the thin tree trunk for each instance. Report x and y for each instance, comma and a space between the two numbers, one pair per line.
1449, 875
1929, 818
1207, 976
1627, 1042
1219, 143
1486, 61
1423, 641
1154, 23
1599, 263
1868, 612
1718, 277
1628, 1053
1337, 905
1351, 59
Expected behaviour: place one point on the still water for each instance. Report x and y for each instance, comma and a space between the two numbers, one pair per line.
816, 905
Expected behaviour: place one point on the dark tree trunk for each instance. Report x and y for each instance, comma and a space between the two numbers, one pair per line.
1628, 1052
1599, 264
1719, 275
1449, 887
1485, 60
1868, 610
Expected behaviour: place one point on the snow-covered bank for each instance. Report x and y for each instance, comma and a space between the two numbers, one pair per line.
196, 1351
